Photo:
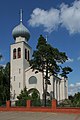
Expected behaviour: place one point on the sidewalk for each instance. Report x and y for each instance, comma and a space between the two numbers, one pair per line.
37, 116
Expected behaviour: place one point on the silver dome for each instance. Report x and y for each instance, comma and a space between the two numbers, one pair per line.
22, 31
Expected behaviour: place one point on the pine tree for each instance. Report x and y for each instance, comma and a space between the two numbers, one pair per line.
5, 82
45, 59
0, 56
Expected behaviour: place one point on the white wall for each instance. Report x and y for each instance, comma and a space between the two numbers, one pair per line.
39, 85
16, 64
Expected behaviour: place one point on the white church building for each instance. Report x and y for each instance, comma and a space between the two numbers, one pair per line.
21, 73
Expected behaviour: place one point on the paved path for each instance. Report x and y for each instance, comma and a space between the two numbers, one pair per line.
37, 116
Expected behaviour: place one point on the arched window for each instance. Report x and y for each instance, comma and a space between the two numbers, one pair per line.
32, 80
26, 54
19, 52
14, 54
30, 91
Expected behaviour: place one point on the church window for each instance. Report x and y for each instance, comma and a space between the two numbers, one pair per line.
14, 54
11, 87
14, 78
19, 84
26, 54
19, 52
32, 80
19, 70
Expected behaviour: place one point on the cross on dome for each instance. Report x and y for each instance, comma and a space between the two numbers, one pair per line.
20, 30
21, 15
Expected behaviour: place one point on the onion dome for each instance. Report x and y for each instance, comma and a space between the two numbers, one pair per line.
21, 30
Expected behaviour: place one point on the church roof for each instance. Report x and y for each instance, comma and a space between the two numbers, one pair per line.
22, 31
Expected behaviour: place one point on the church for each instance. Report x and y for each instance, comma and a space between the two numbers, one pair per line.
21, 74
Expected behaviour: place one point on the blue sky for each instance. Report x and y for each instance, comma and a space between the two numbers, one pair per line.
58, 19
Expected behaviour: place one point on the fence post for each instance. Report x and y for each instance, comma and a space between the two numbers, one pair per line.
8, 104
28, 102
54, 104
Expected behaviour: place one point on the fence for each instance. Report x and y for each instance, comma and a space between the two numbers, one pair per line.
29, 108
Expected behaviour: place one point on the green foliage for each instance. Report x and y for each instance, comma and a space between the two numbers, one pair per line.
48, 103
24, 95
46, 58
0, 103
0, 56
65, 103
35, 99
75, 100
46, 55
65, 71
5, 82
21, 102
34, 95
45, 52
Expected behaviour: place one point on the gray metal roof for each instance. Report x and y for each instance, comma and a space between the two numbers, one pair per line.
22, 31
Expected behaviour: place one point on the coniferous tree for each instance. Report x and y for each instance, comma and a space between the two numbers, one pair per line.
0, 56
45, 59
65, 71
5, 82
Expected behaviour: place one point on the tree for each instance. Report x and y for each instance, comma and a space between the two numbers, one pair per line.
75, 100
24, 95
65, 71
5, 82
0, 56
45, 59
35, 98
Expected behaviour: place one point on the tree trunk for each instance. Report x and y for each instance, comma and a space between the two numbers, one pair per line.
43, 81
43, 89
45, 94
46, 79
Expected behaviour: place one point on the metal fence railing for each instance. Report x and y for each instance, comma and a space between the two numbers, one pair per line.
34, 103
18, 103
66, 103
2, 103
41, 103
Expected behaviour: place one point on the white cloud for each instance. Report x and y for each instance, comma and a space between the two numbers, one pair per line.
70, 17
66, 16
74, 88
49, 19
67, 61
3, 65
70, 60
78, 58
71, 85
2, 59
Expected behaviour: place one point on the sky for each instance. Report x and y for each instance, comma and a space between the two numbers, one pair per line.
59, 20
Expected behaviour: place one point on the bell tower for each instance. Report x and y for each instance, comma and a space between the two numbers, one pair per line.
20, 55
